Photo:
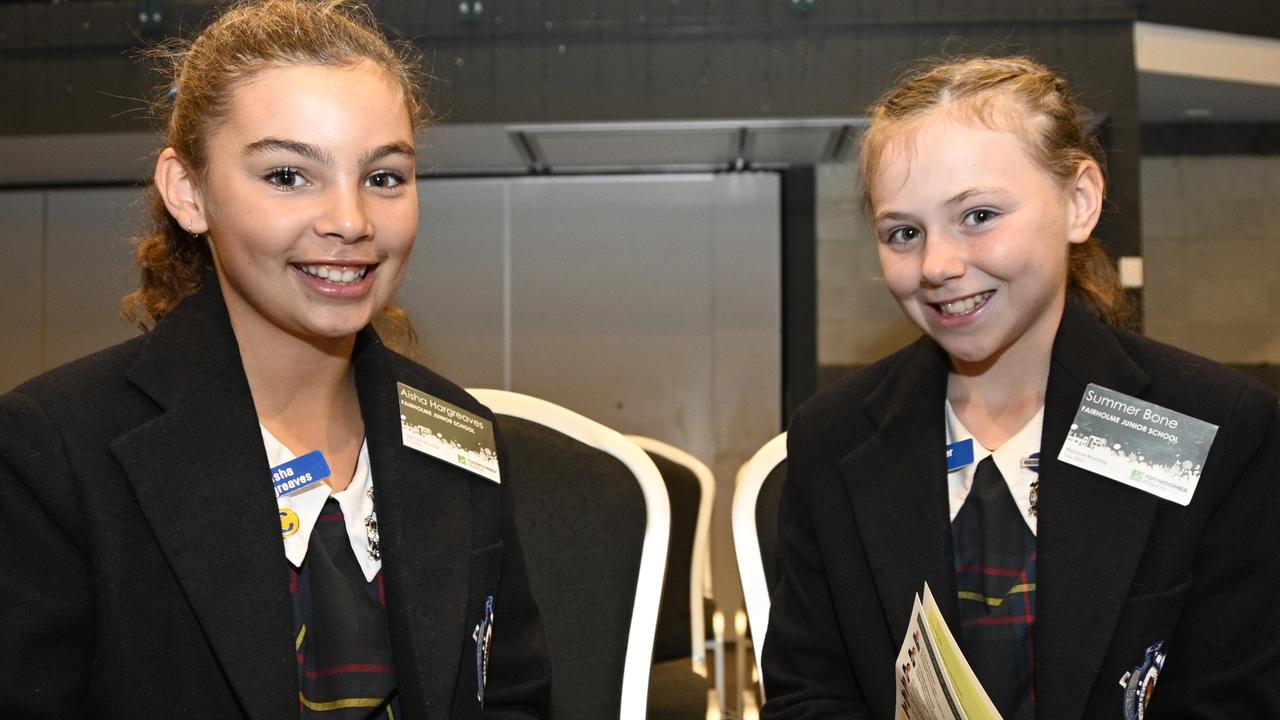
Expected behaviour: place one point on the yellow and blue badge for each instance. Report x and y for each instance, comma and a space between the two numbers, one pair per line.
289, 522
483, 635
1140, 682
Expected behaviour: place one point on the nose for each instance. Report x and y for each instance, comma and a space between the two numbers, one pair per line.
943, 259
344, 216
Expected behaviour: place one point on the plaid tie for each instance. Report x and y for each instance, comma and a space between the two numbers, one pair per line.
344, 654
996, 580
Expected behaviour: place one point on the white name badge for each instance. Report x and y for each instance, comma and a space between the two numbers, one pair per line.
1138, 443
445, 431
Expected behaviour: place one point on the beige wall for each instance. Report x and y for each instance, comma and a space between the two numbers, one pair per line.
1211, 238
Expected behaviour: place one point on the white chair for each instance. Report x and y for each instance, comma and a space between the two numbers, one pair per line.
700, 586
691, 487
746, 536
557, 464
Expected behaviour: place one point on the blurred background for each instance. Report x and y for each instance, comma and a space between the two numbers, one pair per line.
648, 210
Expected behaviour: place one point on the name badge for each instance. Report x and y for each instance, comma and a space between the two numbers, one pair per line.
299, 473
447, 432
959, 455
1138, 443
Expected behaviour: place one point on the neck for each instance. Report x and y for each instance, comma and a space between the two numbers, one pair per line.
290, 377
997, 397
304, 392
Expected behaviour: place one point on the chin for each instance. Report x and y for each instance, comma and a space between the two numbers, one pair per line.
335, 329
968, 353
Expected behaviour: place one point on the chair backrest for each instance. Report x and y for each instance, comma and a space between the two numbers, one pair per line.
682, 630
594, 519
755, 531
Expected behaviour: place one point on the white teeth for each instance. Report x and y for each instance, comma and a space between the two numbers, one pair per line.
960, 307
336, 275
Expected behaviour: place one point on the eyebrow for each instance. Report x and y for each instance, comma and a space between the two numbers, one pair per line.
966, 194
890, 216
394, 148
313, 152
271, 144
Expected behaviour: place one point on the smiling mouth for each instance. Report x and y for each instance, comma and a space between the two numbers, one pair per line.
337, 274
963, 306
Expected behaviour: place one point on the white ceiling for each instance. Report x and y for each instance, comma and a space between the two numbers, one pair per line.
1186, 74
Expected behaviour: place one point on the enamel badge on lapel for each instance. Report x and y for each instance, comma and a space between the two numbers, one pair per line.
1140, 682
1032, 463
371, 535
483, 635
289, 522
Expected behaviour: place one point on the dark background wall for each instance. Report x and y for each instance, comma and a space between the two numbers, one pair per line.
74, 67
1247, 17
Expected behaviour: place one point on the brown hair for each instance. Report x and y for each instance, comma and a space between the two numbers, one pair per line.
1022, 96
200, 78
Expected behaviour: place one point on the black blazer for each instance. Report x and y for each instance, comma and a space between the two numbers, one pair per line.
864, 522
142, 573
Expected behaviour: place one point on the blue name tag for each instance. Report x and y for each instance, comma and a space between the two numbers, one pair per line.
959, 455
299, 473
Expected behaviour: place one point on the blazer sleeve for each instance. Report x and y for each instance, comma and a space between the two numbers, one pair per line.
46, 610
1224, 655
519, 683
807, 669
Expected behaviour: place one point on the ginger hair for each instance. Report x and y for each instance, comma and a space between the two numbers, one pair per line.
1019, 95
200, 77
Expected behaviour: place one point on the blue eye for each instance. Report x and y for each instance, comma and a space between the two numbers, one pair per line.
903, 235
286, 178
385, 179
980, 216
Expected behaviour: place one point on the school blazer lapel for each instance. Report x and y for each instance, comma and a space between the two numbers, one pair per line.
1091, 531
424, 523
199, 471
896, 481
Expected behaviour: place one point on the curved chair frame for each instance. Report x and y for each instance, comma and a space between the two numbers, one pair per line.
653, 554
699, 570
746, 541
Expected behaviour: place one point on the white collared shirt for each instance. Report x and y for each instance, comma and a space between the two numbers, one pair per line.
1008, 458
356, 502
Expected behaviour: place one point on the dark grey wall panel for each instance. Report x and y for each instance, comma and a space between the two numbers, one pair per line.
88, 268
1210, 138
586, 60
580, 59
21, 286
1248, 17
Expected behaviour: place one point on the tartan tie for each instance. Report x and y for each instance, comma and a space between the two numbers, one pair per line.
344, 654
995, 556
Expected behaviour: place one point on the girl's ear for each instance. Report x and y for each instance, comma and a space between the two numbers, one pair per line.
1084, 202
181, 193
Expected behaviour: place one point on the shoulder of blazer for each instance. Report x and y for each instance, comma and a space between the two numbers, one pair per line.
420, 377
862, 399
1179, 372
1163, 374
85, 376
